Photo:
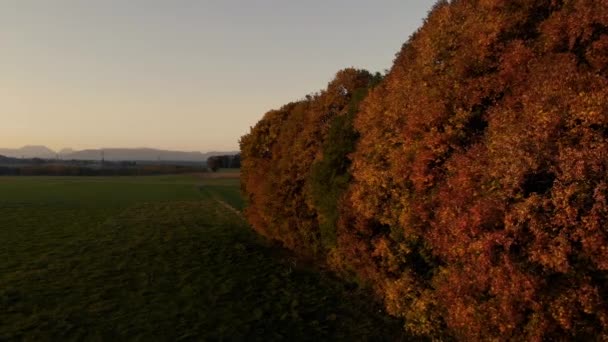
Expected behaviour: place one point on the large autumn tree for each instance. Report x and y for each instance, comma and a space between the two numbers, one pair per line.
481, 172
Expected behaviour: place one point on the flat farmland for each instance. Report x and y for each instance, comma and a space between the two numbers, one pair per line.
158, 258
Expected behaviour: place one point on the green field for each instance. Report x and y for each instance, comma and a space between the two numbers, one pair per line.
158, 258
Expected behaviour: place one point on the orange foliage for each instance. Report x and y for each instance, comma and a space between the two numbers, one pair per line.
479, 195
277, 156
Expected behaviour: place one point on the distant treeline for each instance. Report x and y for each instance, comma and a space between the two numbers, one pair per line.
469, 186
224, 162
43, 167
70, 170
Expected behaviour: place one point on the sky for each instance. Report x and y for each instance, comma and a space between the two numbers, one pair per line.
178, 74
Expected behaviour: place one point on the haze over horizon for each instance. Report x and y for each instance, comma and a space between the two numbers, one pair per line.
178, 75
70, 149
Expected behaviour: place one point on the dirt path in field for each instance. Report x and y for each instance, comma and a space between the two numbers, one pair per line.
231, 208
221, 175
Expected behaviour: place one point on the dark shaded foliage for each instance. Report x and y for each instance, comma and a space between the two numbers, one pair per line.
330, 176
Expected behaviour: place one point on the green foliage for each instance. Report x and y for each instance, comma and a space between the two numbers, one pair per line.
330, 176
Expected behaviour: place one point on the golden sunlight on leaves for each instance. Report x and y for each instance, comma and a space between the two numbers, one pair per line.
473, 197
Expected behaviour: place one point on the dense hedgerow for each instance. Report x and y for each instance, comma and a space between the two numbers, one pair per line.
475, 201
291, 189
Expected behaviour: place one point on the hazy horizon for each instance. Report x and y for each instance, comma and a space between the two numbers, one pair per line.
57, 150
178, 75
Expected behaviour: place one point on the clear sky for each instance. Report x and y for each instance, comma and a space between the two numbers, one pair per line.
178, 74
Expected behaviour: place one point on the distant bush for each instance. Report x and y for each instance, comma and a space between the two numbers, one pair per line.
224, 162
475, 197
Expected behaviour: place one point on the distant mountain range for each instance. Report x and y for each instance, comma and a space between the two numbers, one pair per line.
109, 154
29, 152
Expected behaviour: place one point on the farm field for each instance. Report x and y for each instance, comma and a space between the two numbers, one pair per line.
158, 258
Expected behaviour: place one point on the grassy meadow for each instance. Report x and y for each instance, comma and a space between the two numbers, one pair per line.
158, 258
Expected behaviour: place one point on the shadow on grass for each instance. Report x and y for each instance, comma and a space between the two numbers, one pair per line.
172, 271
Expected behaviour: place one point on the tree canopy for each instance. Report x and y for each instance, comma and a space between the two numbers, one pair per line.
468, 187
